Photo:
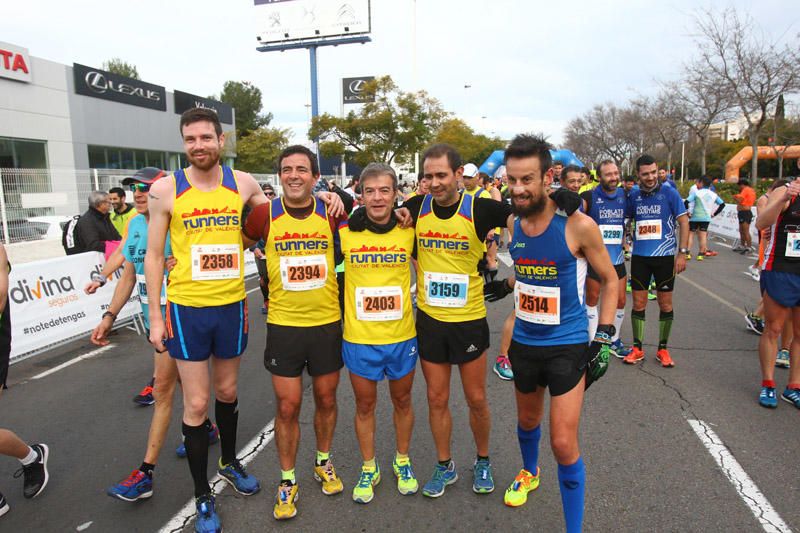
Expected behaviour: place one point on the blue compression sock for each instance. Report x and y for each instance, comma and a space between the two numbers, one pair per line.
572, 482
529, 446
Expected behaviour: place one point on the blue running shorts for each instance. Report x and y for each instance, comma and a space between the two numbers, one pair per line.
374, 361
197, 333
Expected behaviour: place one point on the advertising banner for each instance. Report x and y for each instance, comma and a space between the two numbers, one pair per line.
98, 83
353, 90
307, 20
48, 304
184, 101
726, 224
15, 63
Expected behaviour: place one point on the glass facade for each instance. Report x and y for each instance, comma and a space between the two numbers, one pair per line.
22, 153
129, 159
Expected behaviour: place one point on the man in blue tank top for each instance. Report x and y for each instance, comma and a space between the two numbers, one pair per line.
606, 205
660, 222
550, 344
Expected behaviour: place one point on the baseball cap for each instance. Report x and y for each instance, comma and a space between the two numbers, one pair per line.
145, 175
470, 170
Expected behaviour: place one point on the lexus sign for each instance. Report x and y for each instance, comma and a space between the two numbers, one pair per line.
101, 84
353, 90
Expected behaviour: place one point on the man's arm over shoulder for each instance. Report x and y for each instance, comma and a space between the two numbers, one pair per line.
256, 226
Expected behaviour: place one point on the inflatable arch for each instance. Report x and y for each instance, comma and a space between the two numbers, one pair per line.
565, 157
744, 155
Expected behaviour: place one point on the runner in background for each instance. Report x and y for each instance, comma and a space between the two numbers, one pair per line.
745, 200
121, 211
423, 186
703, 205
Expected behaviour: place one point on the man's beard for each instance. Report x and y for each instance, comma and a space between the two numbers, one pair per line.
213, 160
606, 186
535, 207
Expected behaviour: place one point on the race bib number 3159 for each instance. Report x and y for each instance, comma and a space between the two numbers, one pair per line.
215, 261
446, 290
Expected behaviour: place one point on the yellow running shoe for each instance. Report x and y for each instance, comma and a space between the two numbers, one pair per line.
406, 480
285, 501
326, 474
363, 492
517, 493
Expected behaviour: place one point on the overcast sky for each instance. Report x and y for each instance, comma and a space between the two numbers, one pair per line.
531, 65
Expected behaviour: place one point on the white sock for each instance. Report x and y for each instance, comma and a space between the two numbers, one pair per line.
591, 314
619, 318
30, 458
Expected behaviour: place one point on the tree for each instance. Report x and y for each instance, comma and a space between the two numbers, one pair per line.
784, 132
390, 129
245, 98
116, 65
755, 70
258, 152
473, 147
608, 131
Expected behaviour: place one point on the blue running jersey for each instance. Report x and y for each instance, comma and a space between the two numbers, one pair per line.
608, 210
655, 217
548, 294
133, 249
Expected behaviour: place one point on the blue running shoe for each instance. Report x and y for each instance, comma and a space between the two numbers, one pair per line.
241, 481
213, 438
792, 396
442, 476
207, 519
782, 360
482, 482
619, 349
502, 367
767, 398
135, 487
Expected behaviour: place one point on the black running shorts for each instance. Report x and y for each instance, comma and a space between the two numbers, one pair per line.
559, 368
698, 226
290, 349
745, 217
661, 269
451, 342
622, 272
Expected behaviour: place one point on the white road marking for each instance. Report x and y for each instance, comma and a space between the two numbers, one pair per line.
62, 366
766, 515
254, 289
249, 452
721, 300
505, 258
83, 526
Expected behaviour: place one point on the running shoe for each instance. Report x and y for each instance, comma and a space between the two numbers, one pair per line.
738, 248
711, 253
241, 481
627, 256
285, 502
754, 323
635, 355
482, 481
517, 493
782, 360
663, 357
442, 476
145, 397
137, 486
35, 475
213, 437
207, 519
4, 508
688, 257
619, 349
651, 296
767, 398
502, 367
792, 396
326, 474
363, 492
406, 480
628, 286
701, 257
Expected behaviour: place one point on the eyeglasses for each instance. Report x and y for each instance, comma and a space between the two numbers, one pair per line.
270, 193
139, 187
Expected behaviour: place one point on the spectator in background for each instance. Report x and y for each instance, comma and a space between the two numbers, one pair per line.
121, 211
558, 166
5, 319
94, 229
664, 179
261, 260
744, 204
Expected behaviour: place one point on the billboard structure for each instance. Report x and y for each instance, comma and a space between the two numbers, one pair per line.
281, 21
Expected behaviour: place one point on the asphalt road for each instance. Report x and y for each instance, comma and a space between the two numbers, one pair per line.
647, 469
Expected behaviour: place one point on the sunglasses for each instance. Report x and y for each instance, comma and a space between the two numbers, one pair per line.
269, 193
139, 187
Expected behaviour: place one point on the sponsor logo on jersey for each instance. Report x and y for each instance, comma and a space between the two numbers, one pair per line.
536, 268
378, 255
210, 218
443, 241
296, 242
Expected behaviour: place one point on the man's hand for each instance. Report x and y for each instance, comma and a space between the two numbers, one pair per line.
333, 203
100, 332
170, 263
157, 335
404, 218
793, 188
92, 287
258, 253
680, 263
597, 355
566, 200
496, 290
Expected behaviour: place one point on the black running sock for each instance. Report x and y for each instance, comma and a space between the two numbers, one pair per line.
208, 425
195, 438
147, 468
446, 462
637, 320
482, 458
664, 328
228, 422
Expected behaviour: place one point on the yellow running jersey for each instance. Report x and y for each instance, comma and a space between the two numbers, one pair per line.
300, 268
479, 192
449, 288
377, 285
206, 237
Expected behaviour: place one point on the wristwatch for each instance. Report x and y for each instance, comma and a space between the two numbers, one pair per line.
98, 278
109, 313
684, 250
608, 329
